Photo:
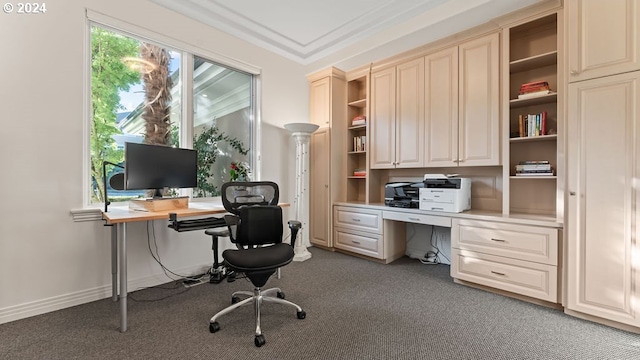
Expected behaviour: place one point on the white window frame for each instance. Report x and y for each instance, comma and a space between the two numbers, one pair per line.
93, 211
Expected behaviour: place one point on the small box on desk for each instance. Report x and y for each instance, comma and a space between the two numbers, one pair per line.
162, 204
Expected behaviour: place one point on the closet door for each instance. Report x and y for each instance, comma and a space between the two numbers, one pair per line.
603, 225
410, 114
319, 196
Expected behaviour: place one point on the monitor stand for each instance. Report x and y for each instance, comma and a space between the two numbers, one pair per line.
157, 194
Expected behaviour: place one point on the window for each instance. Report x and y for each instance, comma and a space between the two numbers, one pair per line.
138, 92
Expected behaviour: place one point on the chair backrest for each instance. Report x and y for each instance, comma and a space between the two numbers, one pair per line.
259, 225
241, 193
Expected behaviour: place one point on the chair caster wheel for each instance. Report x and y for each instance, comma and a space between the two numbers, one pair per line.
214, 327
231, 276
280, 295
235, 299
259, 340
301, 314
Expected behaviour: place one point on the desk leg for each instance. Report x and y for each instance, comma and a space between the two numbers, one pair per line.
122, 249
114, 262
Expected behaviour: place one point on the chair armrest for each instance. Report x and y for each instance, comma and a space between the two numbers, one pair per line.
294, 225
232, 223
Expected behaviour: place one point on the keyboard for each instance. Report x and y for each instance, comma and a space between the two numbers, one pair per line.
197, 224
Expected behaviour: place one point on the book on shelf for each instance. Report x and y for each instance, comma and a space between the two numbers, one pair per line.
533, 162
545, 173
359, 120
533, 86
534, 94
533, 167
359, 172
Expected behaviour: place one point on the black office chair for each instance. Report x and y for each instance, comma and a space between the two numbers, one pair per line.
255, 226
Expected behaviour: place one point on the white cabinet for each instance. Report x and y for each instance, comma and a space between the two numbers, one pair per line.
327, 90
520, 259
462, 105
397, 116
603, 37
603, 218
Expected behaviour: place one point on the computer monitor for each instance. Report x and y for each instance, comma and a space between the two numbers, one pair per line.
157, 167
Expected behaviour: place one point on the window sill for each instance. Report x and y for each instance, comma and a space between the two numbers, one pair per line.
86, 214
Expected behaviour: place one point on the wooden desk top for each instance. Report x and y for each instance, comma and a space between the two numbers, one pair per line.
122, 214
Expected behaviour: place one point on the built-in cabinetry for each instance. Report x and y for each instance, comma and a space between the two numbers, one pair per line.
603, 37
363, 231
327, 106
462, 104
603, 218
397, 116
603, 162
533, 122
439, 110
520, 259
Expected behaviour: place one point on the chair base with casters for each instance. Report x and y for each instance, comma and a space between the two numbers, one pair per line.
251, 228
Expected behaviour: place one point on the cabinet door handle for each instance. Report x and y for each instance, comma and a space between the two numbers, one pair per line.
356, 220
498, 273
460, 160
575, 72
572, 193
456, 160
498, 240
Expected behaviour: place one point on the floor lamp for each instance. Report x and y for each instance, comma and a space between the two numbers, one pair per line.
301, 132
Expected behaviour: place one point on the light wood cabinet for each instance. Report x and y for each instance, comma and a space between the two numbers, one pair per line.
520, 259
603, 37
357, 148
603, 218
397, 116
462, 105
326, 169
478, 102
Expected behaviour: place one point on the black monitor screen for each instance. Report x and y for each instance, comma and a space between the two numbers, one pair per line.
158, 167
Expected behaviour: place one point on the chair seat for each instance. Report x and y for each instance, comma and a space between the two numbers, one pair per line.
259, 259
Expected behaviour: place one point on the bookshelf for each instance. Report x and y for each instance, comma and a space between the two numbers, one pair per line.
356, 145
533, 54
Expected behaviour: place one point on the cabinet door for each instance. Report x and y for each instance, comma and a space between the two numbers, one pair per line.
320, 102
319, 201
382, 125
441, 108
603, 220
410, 114
479, 116
603, 37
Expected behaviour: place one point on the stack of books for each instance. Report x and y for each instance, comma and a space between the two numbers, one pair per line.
359, 143
532, 124
534, 168
360, 172
359, 120
534, 89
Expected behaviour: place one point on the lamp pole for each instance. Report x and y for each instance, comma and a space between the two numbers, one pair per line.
301, 133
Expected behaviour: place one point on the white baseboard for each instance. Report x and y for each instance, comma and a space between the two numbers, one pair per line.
43, 306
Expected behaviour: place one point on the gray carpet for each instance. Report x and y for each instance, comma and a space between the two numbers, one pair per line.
356, 309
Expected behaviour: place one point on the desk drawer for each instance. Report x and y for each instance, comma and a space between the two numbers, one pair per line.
444, 221
535, 280
530, 243
358, 219
358, 242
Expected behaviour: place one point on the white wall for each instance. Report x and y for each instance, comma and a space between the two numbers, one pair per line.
47, 260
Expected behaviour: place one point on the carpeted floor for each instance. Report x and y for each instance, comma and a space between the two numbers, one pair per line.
356, 309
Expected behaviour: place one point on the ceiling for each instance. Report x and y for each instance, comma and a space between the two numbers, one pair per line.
308, 31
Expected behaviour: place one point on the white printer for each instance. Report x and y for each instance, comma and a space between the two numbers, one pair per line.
445, 193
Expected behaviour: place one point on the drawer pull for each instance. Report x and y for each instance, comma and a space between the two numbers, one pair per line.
498, 273
355, 242
414, 219
498, 240
356, 220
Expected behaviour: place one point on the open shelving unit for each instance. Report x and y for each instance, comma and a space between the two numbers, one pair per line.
533, 55
357, 158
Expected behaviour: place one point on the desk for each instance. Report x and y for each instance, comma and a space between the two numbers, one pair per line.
120, 217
